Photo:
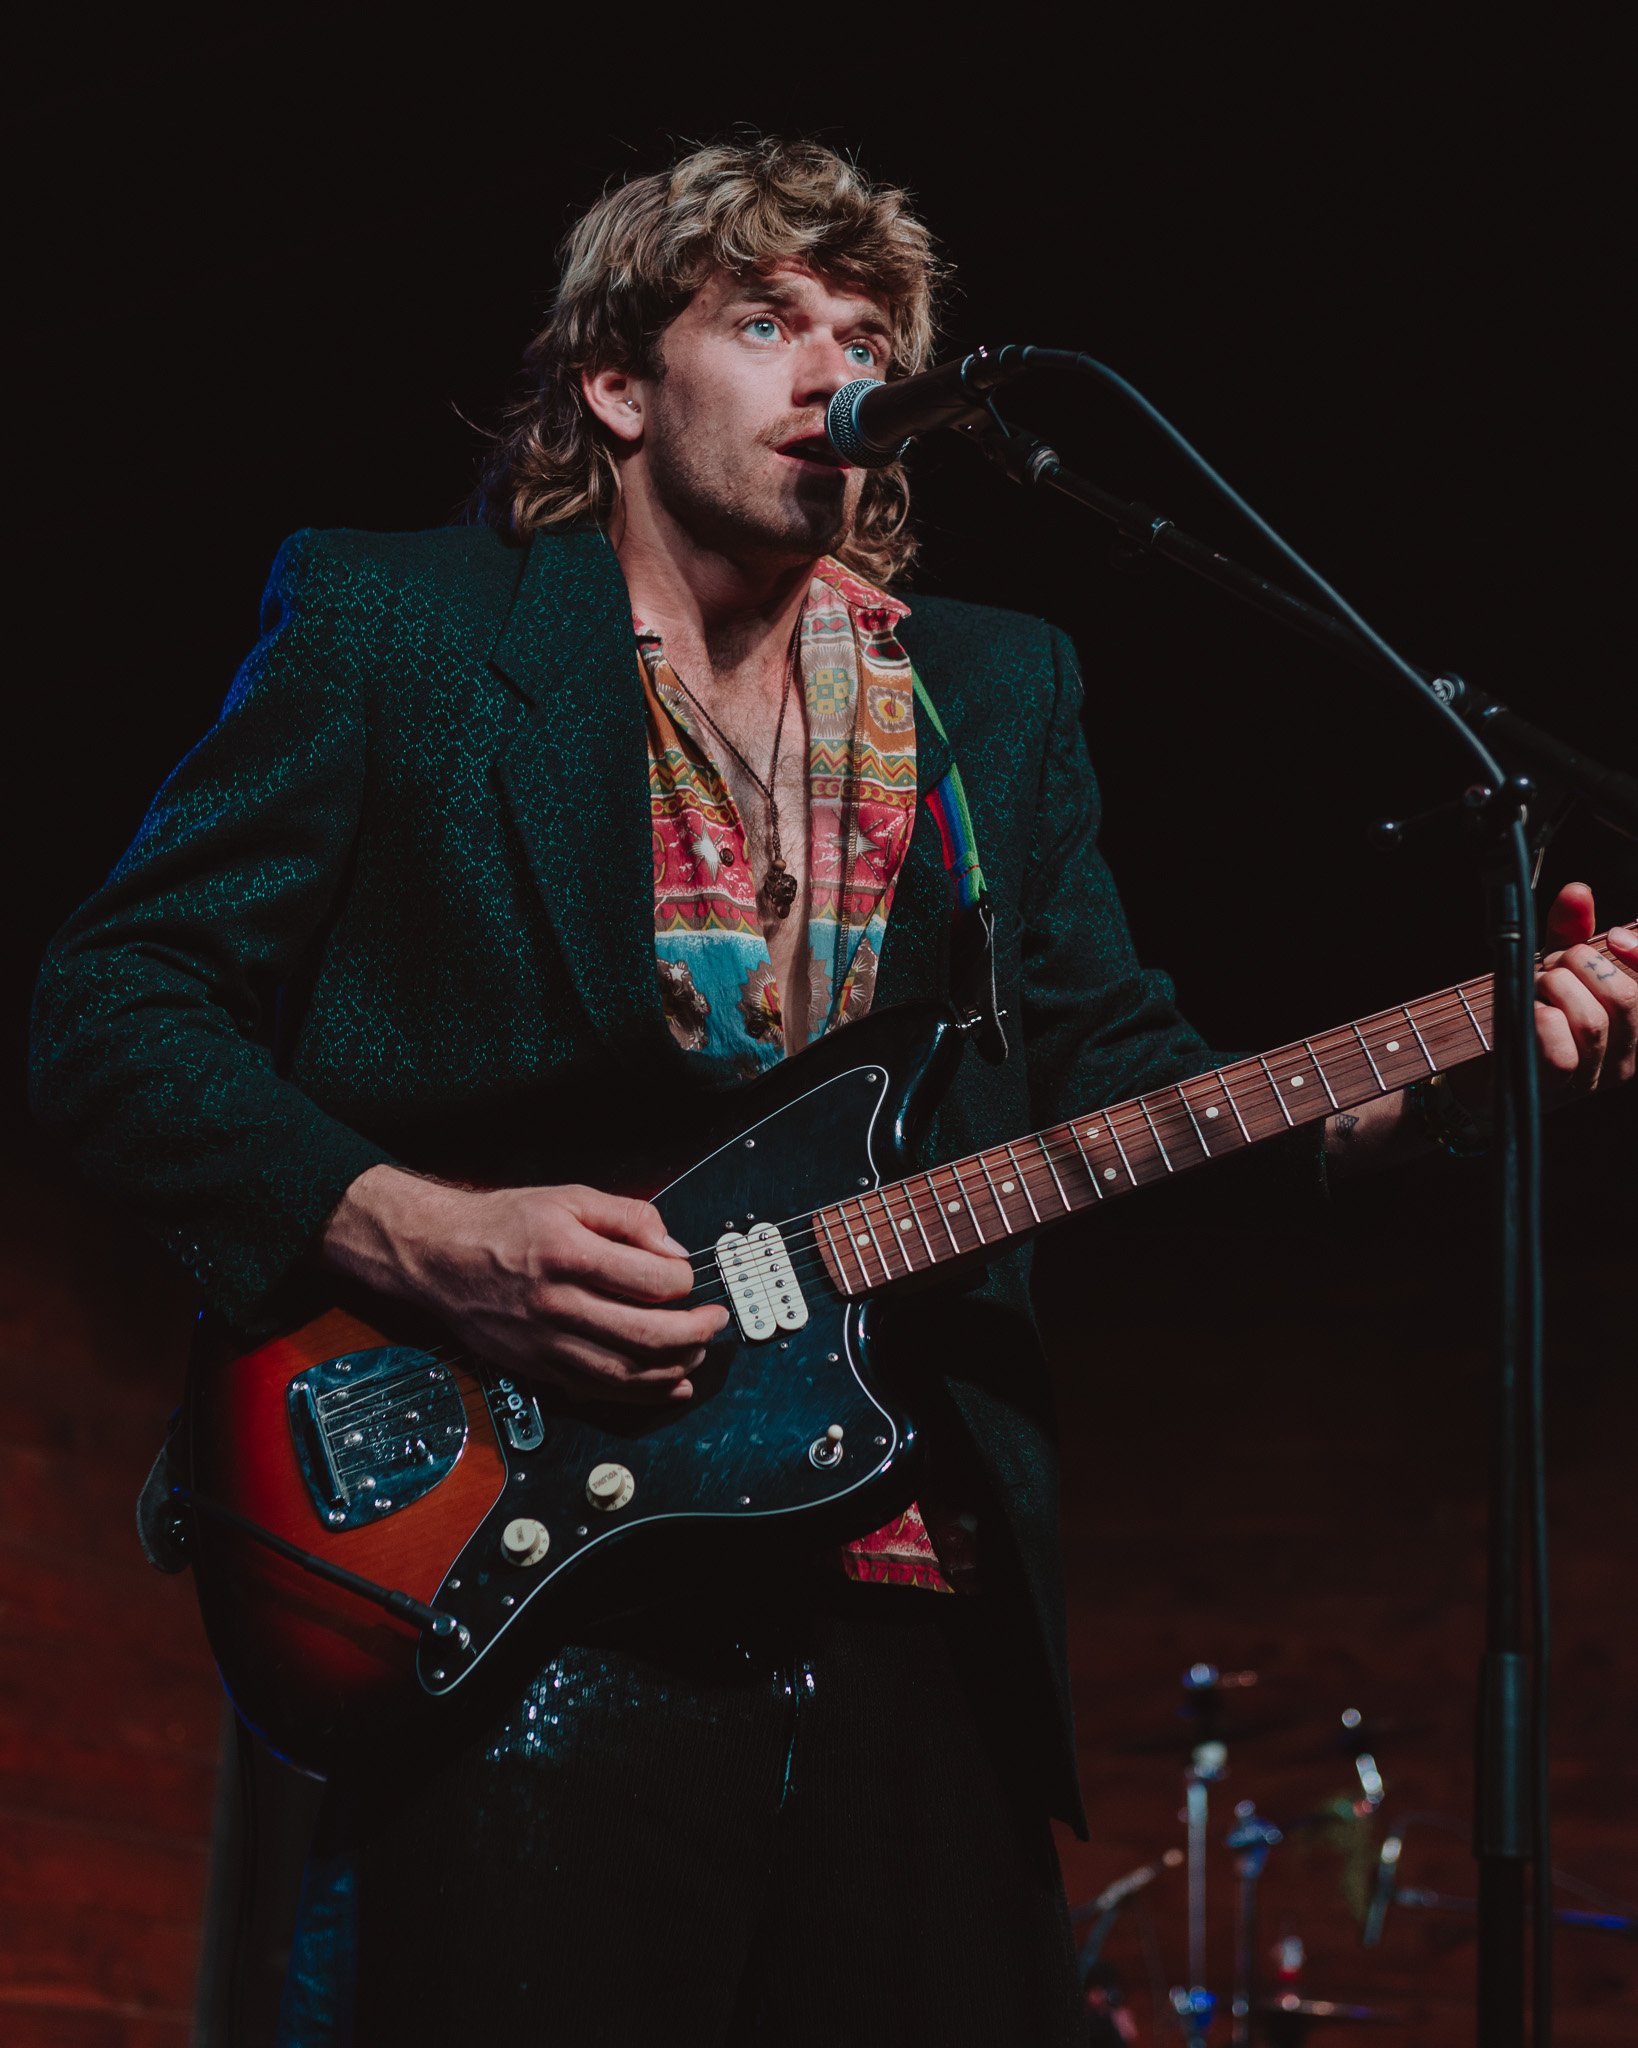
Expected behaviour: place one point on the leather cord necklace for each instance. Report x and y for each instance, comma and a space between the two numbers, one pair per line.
778, 884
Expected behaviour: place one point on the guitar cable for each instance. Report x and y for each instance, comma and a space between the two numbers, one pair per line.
403, 1606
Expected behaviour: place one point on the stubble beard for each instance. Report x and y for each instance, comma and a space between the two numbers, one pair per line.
729, 514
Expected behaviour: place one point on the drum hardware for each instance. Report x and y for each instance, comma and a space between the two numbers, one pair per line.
1387, 1890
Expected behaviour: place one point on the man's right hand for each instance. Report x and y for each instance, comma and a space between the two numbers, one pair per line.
561, 1284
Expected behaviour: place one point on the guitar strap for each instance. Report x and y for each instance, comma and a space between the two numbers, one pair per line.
972, 919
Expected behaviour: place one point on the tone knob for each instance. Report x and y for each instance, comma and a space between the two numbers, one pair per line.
609, 1487
525, 1541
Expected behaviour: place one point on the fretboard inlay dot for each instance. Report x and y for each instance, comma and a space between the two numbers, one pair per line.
1392, 1045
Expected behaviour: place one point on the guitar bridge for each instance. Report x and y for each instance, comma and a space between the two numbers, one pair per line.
374, 1430
758, 1272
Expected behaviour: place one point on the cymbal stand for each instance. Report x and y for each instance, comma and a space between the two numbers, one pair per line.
1208, 1761
1250, 1838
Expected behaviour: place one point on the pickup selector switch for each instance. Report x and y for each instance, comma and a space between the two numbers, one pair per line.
609, 1487
525, 1541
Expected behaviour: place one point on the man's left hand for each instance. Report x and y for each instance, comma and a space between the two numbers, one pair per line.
1586, 1004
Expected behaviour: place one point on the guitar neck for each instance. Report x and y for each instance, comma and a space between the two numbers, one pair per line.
975, 1204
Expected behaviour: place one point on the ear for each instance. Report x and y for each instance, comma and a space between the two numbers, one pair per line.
615, 398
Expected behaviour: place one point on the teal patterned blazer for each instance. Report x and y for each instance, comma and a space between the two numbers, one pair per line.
397, 905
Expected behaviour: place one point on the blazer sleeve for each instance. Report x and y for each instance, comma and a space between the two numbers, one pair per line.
151, 1055
1099, 1026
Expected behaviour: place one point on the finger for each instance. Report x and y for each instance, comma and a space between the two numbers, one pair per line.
632, 1330
1623, 1053
624, 1217
1561, 988
623, 1270
1617, 992
1570, 922
586, 1371
1555, 1043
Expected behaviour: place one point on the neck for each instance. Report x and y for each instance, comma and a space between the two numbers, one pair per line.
722, 616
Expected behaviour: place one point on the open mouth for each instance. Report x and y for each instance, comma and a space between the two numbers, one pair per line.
812, 448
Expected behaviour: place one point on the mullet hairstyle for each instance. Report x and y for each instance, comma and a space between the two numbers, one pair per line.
636, 258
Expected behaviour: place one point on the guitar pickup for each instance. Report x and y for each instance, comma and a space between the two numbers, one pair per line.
761, 1281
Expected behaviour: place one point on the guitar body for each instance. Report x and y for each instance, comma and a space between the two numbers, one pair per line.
369, 1443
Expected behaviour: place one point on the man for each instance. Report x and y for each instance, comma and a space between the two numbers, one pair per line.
513, 845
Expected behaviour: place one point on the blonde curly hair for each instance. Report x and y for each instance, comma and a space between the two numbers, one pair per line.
634, 260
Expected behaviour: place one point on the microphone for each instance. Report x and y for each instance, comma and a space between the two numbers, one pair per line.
870, 423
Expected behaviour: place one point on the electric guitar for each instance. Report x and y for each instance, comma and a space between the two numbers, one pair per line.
371, 1515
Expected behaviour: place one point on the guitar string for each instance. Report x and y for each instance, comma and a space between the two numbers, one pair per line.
1448, 1006
1130, 1114
1132, 1119
1178, 1123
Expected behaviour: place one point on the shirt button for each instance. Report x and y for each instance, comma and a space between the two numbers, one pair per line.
727, 856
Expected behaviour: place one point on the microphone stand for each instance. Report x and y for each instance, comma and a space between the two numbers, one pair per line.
1510, 1797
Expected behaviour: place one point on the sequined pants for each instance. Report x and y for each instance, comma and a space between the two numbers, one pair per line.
748, 1819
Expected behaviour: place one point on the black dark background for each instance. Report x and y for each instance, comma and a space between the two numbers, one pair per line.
262, 276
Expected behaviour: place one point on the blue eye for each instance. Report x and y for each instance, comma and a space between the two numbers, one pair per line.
770, 327
863, 354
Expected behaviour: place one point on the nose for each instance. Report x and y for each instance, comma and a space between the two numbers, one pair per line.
822, 368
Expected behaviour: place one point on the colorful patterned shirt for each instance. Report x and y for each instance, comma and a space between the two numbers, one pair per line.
717, 981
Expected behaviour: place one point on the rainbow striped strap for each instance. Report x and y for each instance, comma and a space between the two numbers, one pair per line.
947, 801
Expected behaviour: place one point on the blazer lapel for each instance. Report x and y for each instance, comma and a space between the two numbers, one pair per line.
575, 779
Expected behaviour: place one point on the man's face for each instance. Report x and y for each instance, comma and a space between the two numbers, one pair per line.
734, 447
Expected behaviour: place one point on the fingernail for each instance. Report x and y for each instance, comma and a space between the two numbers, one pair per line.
670, 1244
1626, 933
683, 1391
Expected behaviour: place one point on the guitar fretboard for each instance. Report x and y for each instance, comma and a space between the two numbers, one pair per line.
973, 1204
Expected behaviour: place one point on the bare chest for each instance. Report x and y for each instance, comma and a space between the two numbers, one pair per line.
771, 796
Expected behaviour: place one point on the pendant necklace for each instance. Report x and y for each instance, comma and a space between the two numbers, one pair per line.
778, 888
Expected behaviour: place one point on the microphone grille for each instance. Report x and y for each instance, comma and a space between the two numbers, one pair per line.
842, 428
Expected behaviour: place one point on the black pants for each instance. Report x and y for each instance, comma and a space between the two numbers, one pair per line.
742, 1819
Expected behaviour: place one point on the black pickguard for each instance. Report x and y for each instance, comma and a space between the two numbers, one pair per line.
749, 1455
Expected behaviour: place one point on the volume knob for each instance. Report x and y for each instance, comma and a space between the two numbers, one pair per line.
525, 1541
609, 1487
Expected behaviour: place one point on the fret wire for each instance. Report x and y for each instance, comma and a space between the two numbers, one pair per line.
995, 1193
892, 1224
871, 1235
1290, 1120
1165, 1156
835, 1256
1109, 1125
1023, 1182
1366, 1050
1457, 1008
1318, 1069
1086, 1161
1222, 1082
1477, 1026
938, 1204
915, 1217
1433, 1064
1046, 1154
955, 1168
1182, 1094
